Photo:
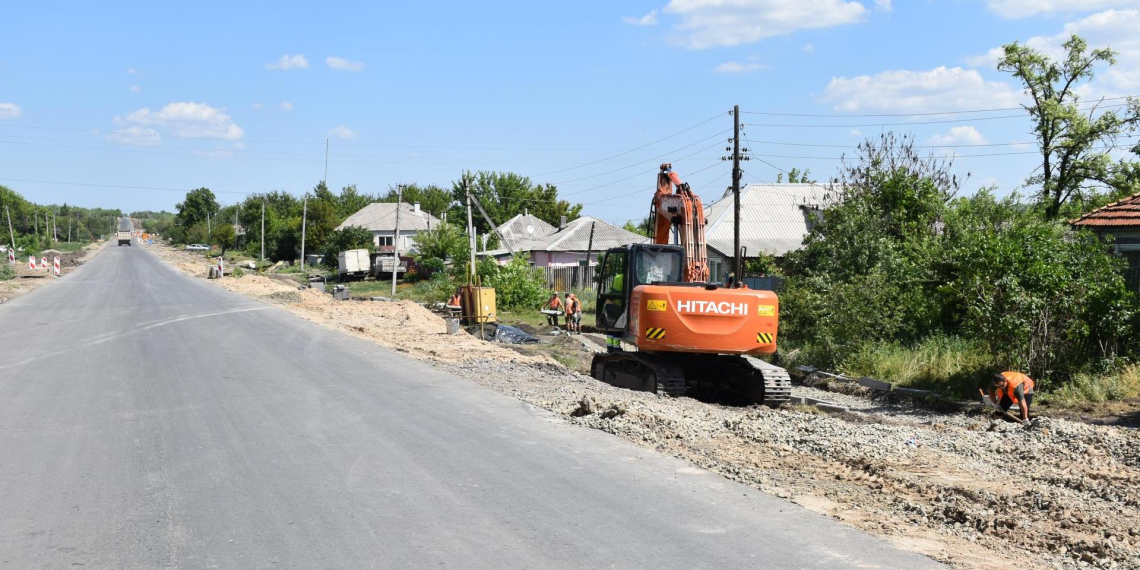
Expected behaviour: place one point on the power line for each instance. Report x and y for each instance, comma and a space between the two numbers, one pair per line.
683, 131
923, 114
120, 186
906, 123
658, 157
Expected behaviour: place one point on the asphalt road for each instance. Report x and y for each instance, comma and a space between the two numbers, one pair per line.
149, 420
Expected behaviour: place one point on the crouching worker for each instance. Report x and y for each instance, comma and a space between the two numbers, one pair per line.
1009, 388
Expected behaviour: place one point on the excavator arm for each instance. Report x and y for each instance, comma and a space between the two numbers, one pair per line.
677, 216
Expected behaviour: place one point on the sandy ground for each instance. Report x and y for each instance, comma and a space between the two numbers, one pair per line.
957, 487
28, 280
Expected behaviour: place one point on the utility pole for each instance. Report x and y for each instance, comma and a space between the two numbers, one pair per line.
326, 178
68, 230
209, 228
396, 239
470, 227
236, 225
304, 221
589, 252
263, 230
738, 267
54, 229
11, 233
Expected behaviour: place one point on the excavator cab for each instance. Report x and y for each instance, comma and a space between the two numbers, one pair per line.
624, 268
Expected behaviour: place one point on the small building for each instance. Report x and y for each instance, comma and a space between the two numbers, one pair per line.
523, 228
380, 219
774, 220
1118, 223
569, 245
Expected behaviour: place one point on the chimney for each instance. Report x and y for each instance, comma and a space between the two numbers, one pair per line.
416, 207
562, 222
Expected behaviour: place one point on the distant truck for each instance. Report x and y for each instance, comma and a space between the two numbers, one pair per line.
124, 237
352, 263
382, 265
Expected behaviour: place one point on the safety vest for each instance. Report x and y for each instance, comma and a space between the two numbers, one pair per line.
1015, 379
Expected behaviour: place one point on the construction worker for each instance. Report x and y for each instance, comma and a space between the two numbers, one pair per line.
1009, 388
573, 314
552, 305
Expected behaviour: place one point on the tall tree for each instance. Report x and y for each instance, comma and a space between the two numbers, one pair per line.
431, 198
198, 204
1074, 143
506, 194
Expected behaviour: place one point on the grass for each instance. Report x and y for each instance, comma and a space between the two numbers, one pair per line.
1122, 384
948, 365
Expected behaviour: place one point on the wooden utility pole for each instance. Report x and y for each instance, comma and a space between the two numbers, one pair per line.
396, 238
589, 252
209, 229
738, 266
11, 233
470, 227
54, 229
502, 237
68, 230
304, 221
263, 230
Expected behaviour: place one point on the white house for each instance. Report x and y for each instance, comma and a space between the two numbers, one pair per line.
570, 244
380, 219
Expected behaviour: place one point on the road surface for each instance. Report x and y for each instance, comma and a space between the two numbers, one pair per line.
150, 420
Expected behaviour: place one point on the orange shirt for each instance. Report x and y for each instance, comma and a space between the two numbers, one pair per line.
1015, 379
555, 303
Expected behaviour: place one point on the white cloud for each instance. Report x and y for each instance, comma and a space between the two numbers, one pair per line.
957, 136
257, 106
1112, 28
286, 106
343, 64
883, 5
287, 62
649, 19
10, 111
750, 65
856, 133
135, 89
186, 119
1026, 8
710, 23
142, 136
940, 89
342, 132
808, 48
132, 71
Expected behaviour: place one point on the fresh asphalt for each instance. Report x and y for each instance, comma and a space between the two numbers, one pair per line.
150, 420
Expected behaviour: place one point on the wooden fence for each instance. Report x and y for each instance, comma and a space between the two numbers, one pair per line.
570, 277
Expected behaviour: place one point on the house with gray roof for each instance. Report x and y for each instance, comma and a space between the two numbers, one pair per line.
380, 219
522, 228
568, 245
774, 220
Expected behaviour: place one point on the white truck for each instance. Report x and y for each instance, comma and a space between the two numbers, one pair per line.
124, 237
353, 263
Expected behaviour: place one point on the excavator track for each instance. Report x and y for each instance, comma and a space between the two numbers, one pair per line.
738, 380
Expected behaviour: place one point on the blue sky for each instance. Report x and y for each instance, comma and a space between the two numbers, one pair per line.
130, 103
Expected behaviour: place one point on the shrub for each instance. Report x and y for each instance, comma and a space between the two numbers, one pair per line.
7, 272
238, 272
1122, 384
517, 284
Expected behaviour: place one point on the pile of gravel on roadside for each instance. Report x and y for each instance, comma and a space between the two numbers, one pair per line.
282, 298
968, 486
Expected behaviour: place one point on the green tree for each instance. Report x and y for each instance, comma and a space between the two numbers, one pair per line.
223, 236
1074, 142
432, 199
505, 195
198, 204
796, 177
352, 201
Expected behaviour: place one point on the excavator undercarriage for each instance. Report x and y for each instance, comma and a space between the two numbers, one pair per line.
729, 379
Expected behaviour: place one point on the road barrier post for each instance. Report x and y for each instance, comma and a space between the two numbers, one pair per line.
32, 262
11, 256
43, 262
55, 265
220, 267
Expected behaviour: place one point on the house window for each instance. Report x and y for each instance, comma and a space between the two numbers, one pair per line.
384, 240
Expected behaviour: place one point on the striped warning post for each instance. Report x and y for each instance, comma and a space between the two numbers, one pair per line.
31, 262
55, 265
43, 262
12, 256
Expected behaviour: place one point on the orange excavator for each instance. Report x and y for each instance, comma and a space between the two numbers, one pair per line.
692, 336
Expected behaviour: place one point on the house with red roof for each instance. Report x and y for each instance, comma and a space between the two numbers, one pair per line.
1119, 224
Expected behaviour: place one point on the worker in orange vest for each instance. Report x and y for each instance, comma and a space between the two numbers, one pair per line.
554, 304
1009, 388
